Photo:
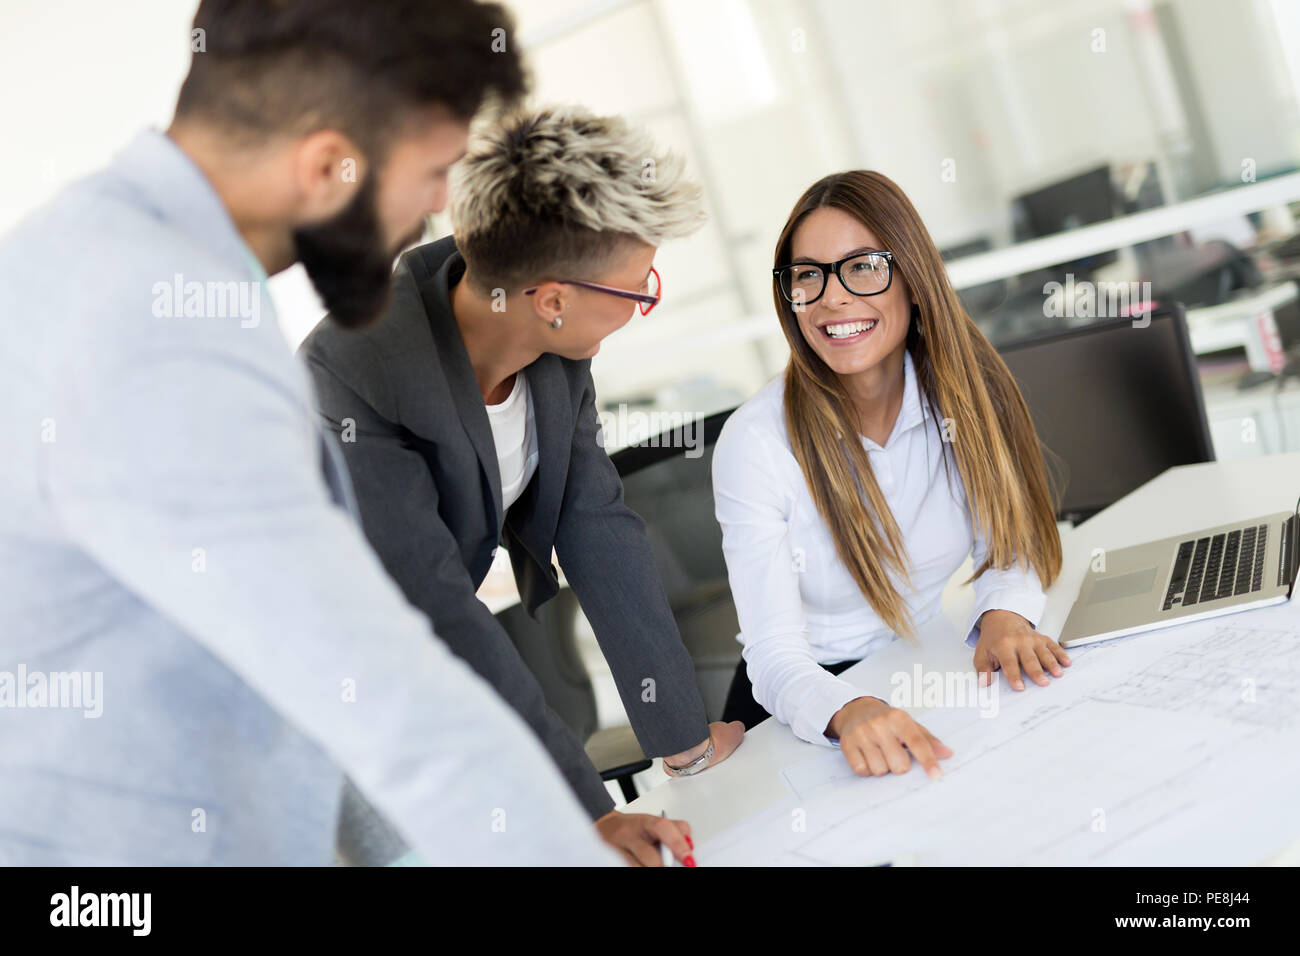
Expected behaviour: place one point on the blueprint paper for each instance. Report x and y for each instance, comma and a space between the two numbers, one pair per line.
1177, 747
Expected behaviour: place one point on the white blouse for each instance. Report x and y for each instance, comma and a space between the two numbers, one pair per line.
797, 603
515, 436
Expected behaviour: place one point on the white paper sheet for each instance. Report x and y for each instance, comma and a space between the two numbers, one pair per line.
1179, 746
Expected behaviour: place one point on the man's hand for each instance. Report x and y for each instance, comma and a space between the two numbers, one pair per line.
878, 739
1007, 642
638, 835
726, 738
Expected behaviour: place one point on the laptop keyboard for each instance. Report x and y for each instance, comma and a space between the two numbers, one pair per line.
1209, 568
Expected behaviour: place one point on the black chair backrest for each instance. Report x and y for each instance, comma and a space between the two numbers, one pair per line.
1115, 404
667, 481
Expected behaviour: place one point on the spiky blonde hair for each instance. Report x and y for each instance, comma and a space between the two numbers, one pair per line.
549, 193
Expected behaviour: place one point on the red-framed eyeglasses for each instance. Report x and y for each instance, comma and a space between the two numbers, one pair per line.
645, 300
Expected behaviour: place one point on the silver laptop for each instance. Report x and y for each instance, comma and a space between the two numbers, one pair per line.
1189, 577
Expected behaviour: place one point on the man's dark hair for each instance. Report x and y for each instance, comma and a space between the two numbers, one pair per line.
263, 67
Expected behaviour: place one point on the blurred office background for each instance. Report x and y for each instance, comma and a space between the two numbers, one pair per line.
1003, 120
1103, 141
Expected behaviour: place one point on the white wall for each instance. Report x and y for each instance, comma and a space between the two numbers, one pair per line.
1248, 104
763, 97
79, 78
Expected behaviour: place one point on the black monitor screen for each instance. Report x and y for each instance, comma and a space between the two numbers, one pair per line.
1116, 404
1078, 201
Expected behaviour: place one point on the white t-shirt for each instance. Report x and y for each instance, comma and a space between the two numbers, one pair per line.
515, 437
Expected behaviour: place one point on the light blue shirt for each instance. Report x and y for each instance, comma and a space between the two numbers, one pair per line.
165, 531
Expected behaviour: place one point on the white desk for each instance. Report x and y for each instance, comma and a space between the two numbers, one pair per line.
1239, 323
1254, 423
1179, 500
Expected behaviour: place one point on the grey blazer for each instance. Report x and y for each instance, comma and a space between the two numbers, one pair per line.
402, 395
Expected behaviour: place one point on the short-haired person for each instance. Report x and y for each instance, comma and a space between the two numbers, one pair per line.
468, 415
173, 535
835, 546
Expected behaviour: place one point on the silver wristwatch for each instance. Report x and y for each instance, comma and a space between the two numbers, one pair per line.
696, 765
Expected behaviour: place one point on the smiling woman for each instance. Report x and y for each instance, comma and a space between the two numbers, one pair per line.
836, 546
846, 375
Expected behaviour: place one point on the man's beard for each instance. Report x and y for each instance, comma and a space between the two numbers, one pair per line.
348, 262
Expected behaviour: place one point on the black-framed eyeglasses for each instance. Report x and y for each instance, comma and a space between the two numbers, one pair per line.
645, 300
863, 273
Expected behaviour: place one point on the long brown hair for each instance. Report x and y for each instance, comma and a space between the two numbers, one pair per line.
996, 449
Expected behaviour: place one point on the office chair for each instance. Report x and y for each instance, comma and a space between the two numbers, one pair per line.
1114, 405
673, 494
549, 647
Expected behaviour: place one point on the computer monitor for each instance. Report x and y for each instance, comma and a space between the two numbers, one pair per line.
1078, 201
980, 300
1114, 404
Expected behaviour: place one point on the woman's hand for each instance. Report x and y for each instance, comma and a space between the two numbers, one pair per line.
1007, 642
878, 739
726, 738
637, 836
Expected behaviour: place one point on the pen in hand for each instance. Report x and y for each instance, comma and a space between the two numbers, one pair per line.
663, 847
668, 858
